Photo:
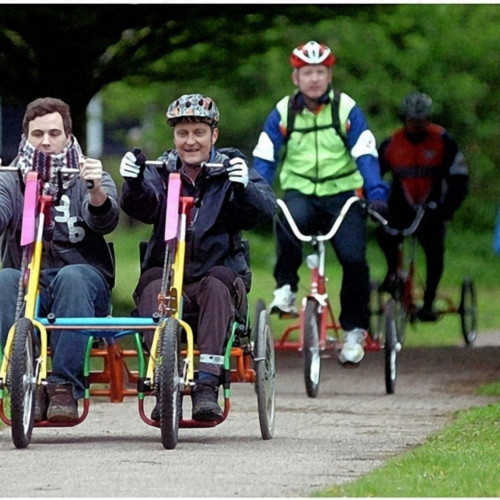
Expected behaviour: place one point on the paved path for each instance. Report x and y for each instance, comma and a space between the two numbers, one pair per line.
350, 429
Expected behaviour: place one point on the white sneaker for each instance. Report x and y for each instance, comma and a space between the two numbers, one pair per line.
284, 301
352, 352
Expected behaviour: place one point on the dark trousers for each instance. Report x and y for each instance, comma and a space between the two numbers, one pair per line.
317, 214
430, 235
209, 307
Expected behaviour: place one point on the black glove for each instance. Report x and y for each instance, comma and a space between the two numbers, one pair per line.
381, 207
446, 213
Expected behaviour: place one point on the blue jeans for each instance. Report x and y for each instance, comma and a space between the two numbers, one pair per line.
314, 214
77, 290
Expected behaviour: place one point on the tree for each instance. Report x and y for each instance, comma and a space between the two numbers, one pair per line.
72, 51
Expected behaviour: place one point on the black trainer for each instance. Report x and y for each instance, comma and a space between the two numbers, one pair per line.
205, 402
41, 404
427, 315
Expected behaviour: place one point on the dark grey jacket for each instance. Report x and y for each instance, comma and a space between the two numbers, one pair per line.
77, 236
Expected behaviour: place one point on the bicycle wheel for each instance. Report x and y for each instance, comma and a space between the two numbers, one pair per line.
468, 311
400, 312
22, 374
312, 355
265, 371
392, 347
168, 372
376, 311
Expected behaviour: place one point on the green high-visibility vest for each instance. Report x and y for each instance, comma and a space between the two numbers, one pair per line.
316, 161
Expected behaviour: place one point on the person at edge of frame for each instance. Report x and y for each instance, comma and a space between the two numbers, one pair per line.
78, 271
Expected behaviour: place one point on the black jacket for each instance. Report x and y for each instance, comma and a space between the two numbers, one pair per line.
221, 212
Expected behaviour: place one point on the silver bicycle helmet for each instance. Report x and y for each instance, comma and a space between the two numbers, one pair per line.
193, 107
416, 105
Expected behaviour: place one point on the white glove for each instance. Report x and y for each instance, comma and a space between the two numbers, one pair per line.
128, 166
238, 171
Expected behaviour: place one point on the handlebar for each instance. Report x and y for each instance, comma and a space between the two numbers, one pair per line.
64, 170
420, 211
224, 164
321, 237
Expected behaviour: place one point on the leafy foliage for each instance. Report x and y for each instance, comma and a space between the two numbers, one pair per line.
141, 57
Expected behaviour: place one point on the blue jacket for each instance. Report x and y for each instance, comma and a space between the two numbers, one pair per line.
267, 153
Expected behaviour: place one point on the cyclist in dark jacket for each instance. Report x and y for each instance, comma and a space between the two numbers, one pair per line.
426, 166
227, 201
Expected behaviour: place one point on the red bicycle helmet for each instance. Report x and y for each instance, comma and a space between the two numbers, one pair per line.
312, 53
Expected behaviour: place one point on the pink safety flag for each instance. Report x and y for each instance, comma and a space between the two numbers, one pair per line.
30, 209
173, 197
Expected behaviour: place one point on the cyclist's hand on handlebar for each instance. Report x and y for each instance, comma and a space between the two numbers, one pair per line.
379, 206
238, 171
132, 165
91, 172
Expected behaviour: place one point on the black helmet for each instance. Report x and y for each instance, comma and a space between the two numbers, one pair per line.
416, 105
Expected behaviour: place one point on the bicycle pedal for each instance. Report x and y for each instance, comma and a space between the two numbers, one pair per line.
288, 315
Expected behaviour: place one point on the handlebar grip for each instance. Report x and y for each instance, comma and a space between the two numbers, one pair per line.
140, 158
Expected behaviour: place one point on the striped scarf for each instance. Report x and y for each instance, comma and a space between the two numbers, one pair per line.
49, 165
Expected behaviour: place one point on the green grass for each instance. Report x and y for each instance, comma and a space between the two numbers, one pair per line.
461, 461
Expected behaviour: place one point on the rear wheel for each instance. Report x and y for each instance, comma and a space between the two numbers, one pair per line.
311, 350
22, 374
392, 346
468, 311
265, 371
376, 311
168, 374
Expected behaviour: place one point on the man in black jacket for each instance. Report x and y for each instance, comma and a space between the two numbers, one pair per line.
228, 201
426, 165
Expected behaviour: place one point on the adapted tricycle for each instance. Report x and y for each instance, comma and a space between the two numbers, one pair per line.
167, 371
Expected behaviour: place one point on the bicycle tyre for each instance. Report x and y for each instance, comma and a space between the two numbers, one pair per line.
265, 371
311, 351
22, 374
400, 313
392, 347
168, 372
376, 311
468, 311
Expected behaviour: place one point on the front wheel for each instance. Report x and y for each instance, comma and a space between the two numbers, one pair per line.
311, 349
168, 374
392, 346
22, 374
468, 311
265, 371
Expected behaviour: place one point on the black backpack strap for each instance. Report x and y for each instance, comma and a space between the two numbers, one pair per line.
292, 112
336, 117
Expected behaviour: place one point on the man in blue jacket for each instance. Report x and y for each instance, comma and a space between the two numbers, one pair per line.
326, 153
217, 274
